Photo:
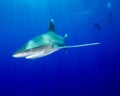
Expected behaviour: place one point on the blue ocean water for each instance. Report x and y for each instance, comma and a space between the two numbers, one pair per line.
85, 71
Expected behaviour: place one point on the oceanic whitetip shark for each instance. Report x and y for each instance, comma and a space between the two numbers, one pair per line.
45, 44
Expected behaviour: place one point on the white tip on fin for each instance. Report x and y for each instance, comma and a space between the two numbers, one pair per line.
51, 25
65, 36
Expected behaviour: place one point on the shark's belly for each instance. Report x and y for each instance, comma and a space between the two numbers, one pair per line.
37, 53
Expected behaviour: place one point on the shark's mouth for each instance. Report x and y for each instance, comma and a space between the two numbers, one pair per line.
32, 56
29, 55
41, 54
21, 54
35, 53
29, 52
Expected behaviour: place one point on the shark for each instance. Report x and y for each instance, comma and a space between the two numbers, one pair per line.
45, 44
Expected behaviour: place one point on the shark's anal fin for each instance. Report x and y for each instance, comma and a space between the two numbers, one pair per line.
51, 26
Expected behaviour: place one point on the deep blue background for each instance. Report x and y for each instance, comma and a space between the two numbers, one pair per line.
86, 71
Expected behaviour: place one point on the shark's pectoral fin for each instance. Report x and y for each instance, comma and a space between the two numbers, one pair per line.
74, 46
51, 26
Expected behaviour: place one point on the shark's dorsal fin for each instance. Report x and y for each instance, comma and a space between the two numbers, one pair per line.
51, 26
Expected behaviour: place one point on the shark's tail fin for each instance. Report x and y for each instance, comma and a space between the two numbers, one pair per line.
51, 26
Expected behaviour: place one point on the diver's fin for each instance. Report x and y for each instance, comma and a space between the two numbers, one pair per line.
51, 26
82, 45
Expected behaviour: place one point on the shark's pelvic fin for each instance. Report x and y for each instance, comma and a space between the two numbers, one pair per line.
82, 45
51, 26
65, 36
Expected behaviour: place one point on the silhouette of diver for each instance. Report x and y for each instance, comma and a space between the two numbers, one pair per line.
110, 17
97, 26
110, 14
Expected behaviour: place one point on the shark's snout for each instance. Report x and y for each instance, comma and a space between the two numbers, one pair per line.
21, 54
18, 55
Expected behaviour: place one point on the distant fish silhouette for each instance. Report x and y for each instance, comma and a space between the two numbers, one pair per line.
97, 26
110, 17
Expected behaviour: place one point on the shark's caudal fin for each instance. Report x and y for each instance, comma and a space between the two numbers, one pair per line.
51, 26
82, 45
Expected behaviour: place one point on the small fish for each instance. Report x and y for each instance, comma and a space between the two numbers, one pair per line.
97, 26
